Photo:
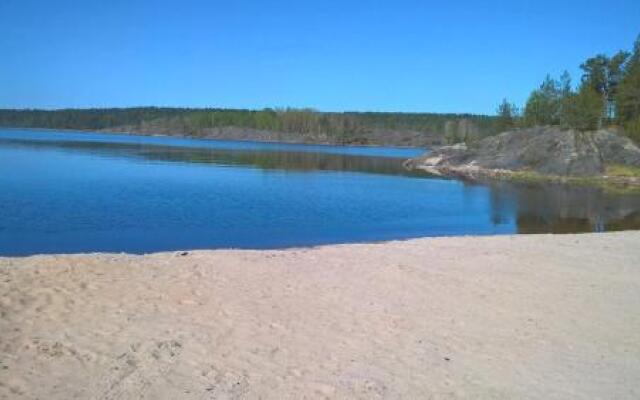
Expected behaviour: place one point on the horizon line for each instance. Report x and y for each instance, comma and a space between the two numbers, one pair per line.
211, 108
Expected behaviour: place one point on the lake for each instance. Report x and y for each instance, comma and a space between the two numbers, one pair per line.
67, 192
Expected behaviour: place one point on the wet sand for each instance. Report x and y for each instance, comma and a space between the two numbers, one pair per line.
505, 317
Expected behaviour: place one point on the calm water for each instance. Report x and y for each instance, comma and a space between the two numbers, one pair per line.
78, 192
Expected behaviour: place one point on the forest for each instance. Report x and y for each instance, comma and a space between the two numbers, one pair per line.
305, 124
606, 96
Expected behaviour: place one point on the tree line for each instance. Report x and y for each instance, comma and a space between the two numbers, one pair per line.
608, 94
340, 127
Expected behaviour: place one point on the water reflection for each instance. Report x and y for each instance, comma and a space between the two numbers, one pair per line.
267, 160
556, 208
85, 193
532, 208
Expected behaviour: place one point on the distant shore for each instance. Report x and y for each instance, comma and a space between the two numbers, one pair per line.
281, 125
211, 138
525, 316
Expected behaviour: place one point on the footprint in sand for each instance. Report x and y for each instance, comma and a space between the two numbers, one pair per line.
225, 385
137, 369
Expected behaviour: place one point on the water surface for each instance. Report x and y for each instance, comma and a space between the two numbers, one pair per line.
63, 192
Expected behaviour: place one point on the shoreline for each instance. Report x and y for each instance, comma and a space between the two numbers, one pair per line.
209, 138
541, 154
505, 316
473, 174
301, 248
484, 175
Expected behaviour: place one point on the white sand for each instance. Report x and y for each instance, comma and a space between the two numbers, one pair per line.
526, 317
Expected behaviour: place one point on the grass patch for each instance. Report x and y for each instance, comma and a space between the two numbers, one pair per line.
609, 185
623, 171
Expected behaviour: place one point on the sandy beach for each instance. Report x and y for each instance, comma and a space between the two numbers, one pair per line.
506, 317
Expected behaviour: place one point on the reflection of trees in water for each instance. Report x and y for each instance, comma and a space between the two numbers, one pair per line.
538, 224
534, 208
263, 159
555, 208
295, 161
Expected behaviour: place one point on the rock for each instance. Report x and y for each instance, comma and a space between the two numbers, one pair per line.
544, 150
616, 149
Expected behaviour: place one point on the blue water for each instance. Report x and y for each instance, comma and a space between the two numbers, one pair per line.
65, 192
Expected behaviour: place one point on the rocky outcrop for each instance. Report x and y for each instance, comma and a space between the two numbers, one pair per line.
547, 151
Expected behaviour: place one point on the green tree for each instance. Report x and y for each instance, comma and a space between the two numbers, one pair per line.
507, 116
604, 74
594, 72
566, 97
565, 84
628, 94
583, 110
543, 105
632, 129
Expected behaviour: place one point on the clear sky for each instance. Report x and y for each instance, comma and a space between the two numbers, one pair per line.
431, 56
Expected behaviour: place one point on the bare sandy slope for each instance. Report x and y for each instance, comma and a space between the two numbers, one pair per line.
526, 317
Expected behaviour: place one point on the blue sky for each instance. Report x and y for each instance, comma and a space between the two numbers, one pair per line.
411, 56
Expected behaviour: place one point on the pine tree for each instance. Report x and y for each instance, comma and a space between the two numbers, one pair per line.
543, 105
604, 74
628, 94
583, 110
507, 116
